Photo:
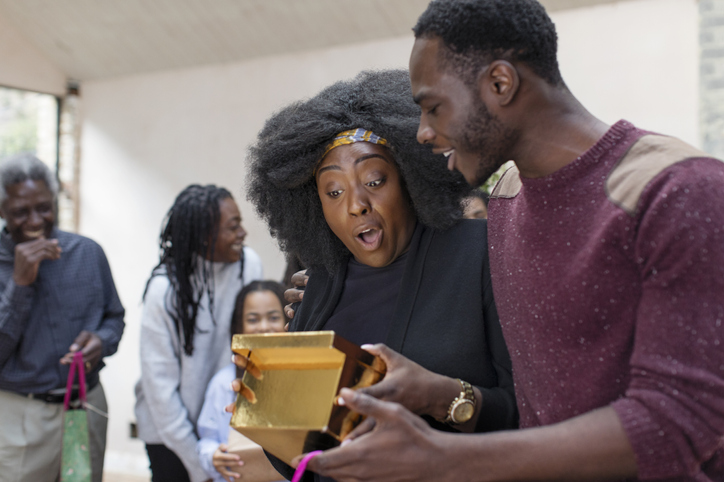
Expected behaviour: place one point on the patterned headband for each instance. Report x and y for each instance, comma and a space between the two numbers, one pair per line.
350, 137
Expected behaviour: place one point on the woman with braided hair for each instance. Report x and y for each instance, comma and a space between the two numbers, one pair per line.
188, 305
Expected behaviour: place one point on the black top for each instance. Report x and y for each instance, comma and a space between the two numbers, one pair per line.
355, 317
444, 319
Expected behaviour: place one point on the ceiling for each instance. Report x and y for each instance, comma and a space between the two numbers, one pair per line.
92, 39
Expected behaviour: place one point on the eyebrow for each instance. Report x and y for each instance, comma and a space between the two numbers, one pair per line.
369, 156
258, 313
419, 97
334, 167
328, 168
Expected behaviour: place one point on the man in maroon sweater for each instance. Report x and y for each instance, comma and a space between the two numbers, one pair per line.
607, 253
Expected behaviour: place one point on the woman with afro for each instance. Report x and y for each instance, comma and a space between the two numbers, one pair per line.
188, 303
344, 185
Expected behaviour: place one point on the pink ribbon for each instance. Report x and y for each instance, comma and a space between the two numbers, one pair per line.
303, 465
77, 361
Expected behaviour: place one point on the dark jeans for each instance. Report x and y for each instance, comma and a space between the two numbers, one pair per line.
165, 465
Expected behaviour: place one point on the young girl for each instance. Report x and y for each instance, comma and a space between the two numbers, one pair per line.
258, 309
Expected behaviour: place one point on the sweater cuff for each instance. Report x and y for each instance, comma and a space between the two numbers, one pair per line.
197, 473
109, 343
656, 455
205, 448
191, 461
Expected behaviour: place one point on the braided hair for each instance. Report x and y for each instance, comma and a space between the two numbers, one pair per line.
189, 231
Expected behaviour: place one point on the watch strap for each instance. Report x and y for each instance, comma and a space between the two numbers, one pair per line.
467, 394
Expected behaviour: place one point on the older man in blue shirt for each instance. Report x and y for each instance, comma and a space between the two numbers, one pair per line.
57, 298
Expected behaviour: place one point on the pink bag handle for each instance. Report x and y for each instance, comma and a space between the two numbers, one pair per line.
303, 465
77, 361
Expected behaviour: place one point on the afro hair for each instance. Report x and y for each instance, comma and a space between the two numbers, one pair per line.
281, 182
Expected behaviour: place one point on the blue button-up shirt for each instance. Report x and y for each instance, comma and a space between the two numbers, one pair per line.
39, 322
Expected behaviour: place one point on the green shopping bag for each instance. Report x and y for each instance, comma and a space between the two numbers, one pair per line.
75, 463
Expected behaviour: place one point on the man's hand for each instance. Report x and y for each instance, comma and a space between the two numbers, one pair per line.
402, 447
223, 460
28, 256
292, 295
90, 345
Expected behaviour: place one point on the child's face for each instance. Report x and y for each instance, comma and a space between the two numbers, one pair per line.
262, 313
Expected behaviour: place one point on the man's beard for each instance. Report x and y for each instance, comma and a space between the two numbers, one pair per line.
486, 135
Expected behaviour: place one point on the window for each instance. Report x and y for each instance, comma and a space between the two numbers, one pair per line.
29, 123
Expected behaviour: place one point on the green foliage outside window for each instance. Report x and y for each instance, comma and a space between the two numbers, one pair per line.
490, 183
18, 122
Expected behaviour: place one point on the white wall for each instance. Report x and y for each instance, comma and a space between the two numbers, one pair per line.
23, 66
637, 61
146, 137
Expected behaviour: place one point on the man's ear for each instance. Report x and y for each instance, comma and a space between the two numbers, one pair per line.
499, 83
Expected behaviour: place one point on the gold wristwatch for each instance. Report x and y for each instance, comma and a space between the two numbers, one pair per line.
462, 408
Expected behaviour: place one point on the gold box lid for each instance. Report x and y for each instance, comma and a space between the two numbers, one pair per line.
302, 374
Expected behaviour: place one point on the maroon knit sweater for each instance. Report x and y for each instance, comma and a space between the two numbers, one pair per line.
609, 279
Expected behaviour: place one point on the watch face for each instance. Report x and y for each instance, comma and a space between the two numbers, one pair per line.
463, 411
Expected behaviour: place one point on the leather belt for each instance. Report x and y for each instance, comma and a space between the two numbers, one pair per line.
56, 396
52, 397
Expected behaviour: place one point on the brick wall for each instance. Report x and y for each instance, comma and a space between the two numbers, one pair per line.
711, 38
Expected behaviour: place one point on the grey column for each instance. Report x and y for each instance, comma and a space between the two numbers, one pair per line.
711, 95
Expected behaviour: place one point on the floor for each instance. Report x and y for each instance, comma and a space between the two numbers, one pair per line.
124, 478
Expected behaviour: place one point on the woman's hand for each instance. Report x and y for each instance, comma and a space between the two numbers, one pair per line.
294, 295
406, 383
237, 385
223, 460
414, 387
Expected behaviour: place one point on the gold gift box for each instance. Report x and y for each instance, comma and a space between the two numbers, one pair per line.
302, 374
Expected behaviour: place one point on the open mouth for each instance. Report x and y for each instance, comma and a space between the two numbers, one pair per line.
34, 234
370, 238
450, 159
237, 247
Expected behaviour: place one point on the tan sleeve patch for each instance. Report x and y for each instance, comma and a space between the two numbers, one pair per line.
646, 159
509, 184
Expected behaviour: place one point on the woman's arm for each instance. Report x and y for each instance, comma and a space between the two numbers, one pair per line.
161, 378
